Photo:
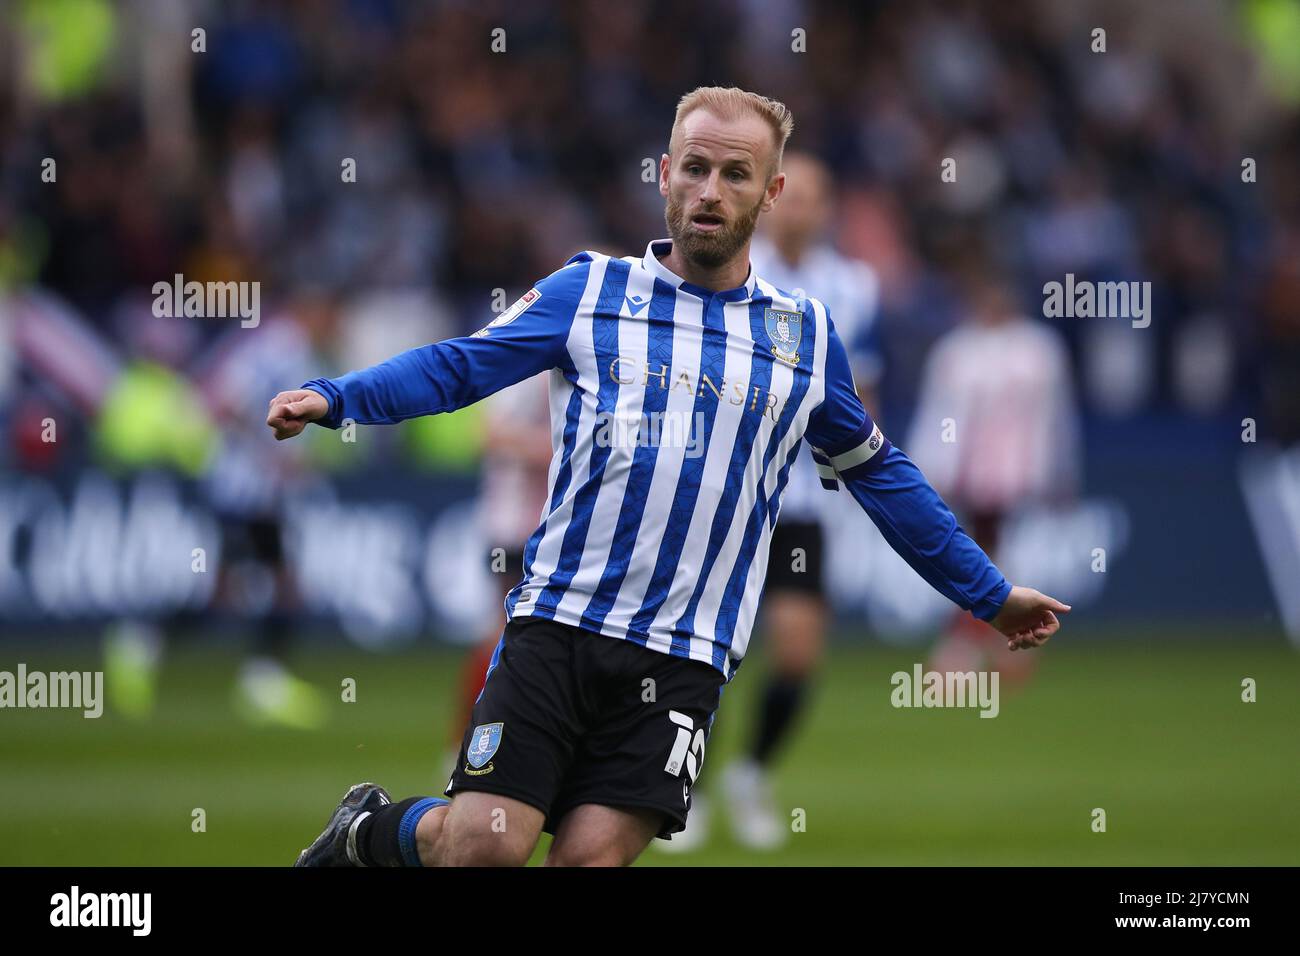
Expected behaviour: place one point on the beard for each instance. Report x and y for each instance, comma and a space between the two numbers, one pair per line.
709, 249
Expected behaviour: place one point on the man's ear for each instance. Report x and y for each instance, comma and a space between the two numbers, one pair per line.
664, 162
774, 190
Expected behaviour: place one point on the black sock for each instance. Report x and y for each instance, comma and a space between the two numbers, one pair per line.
378, 842
781, 702
271, 636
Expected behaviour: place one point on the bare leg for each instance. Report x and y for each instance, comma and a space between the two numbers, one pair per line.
479, 829
795, 625
595, 835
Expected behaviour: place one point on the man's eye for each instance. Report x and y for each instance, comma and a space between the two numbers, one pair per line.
694, 168
737, 175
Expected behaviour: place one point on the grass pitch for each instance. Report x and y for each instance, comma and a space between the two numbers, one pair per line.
1153, 732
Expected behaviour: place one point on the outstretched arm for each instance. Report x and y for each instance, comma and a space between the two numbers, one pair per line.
913, 518
920, 527
527, 338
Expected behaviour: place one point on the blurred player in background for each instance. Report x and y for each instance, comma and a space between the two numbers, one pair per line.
794, 252
995, 431
135, 438
516, 463
244, 487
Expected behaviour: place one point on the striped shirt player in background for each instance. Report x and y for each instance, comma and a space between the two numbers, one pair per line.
996, 431
244, 478
641, 585
247, 487
793, 252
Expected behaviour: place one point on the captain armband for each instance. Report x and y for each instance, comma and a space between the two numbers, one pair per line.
860, 455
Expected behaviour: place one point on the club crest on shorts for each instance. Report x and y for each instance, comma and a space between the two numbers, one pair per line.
785, 329
483, 744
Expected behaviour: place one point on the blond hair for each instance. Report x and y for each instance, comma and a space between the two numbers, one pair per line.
732, 103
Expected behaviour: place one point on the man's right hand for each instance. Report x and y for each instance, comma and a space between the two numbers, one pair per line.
291, 411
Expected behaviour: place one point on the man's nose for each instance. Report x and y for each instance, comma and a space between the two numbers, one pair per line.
712, 194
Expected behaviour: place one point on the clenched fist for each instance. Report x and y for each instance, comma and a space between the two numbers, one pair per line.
291, 411
1028, 618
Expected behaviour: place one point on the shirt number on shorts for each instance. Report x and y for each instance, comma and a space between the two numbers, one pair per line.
688, 750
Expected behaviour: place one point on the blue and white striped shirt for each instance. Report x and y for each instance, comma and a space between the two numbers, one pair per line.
851, 291
676, 413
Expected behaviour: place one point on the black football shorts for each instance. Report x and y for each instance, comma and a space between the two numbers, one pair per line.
509, 566
569, 716
794, 560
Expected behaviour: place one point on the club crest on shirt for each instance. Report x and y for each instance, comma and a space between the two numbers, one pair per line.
483, 744
784, 329
510, 314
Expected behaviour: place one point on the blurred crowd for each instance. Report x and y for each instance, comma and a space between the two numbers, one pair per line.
484, 159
